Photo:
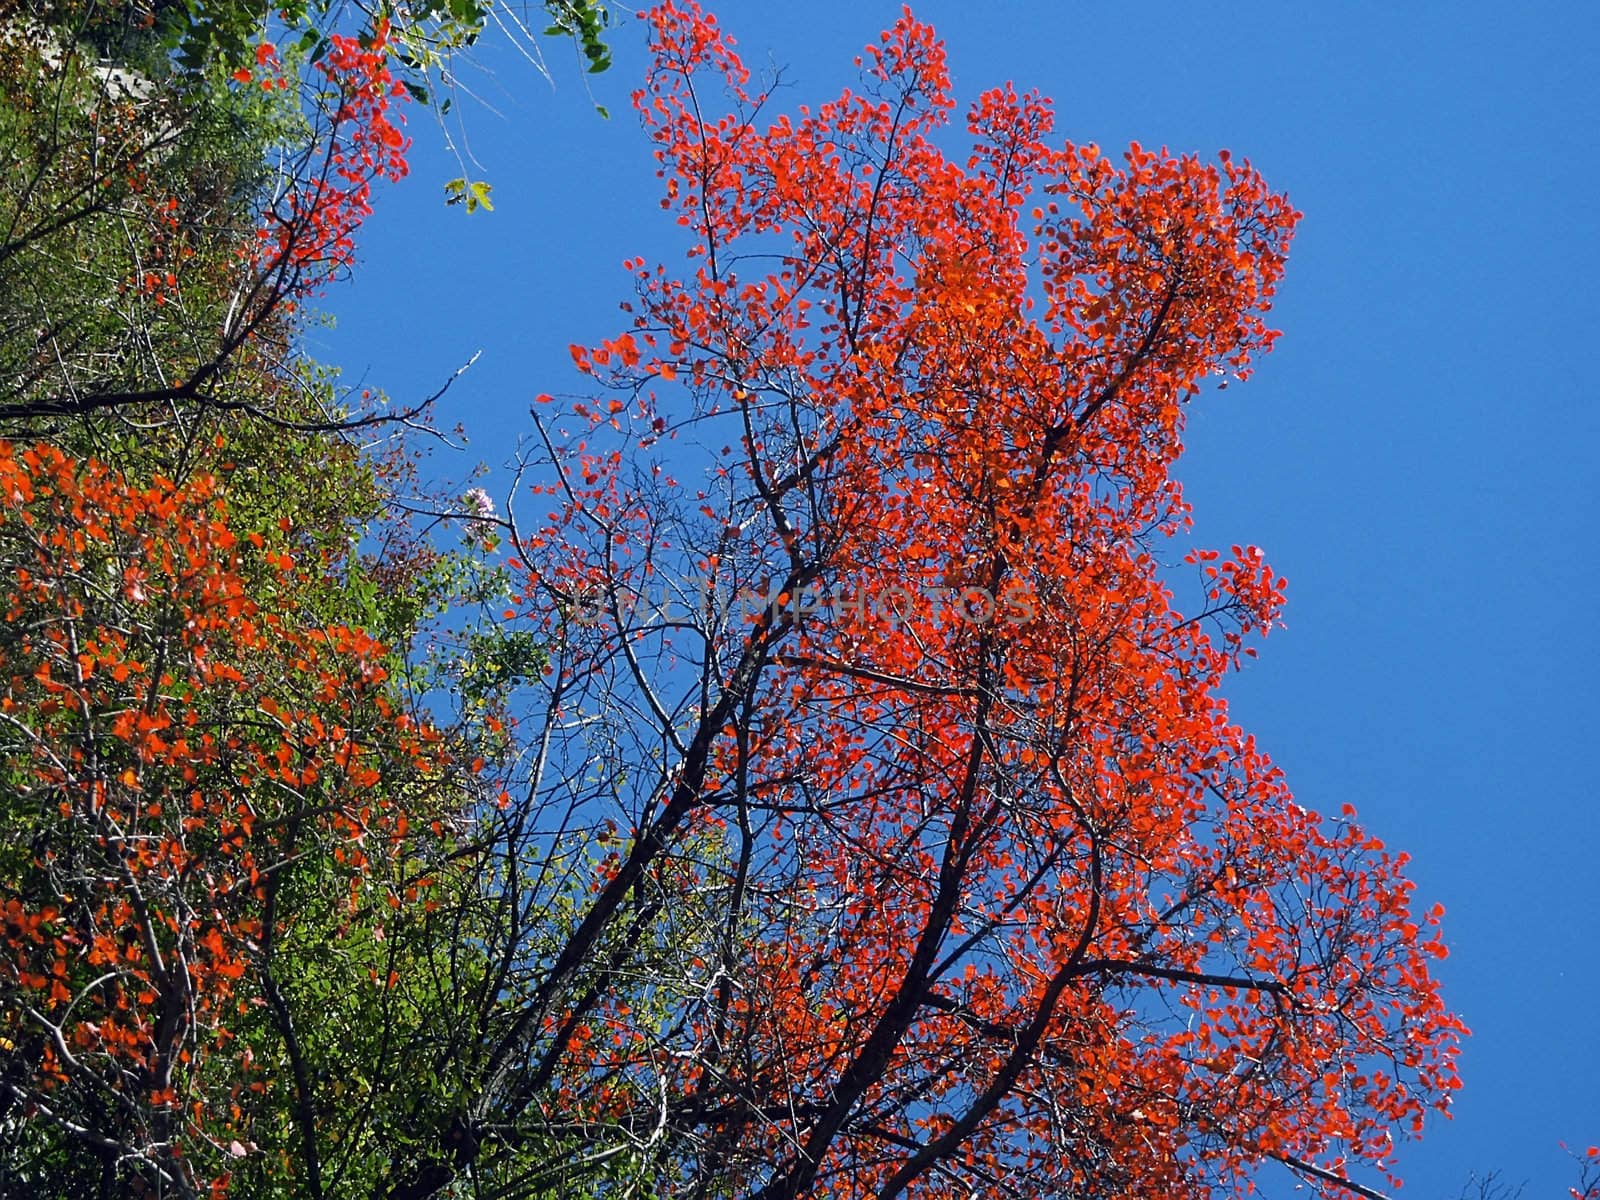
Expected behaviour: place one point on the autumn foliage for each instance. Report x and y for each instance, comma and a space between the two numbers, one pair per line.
308, 233
160, 234
841, 801
997, 898
223, 816
177, 755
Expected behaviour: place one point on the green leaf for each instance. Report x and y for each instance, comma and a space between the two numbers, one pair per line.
474, 194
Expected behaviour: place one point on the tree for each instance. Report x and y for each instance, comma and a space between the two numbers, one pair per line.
230, 835
158, 232
193, 774
928, 861
870, 824
1492, 1185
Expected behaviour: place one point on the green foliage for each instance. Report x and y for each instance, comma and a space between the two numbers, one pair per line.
207, 35
474, 194
585, 22
500, 658
124, 202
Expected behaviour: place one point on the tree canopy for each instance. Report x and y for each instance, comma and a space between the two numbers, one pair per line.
851, 810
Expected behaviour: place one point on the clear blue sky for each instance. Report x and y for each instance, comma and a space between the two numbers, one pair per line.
1417, 457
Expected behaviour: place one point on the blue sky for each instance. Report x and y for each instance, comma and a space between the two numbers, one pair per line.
1417, 456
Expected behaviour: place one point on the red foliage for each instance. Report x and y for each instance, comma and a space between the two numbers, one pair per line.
309, 231
1011, 904
173, 749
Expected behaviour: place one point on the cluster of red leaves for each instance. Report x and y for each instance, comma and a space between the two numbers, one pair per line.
1588, 1185
268, 67
126, 143
310, 231
171, 746
1018, 906
158, 280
